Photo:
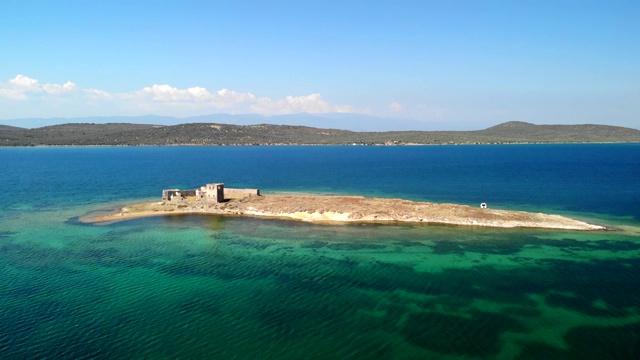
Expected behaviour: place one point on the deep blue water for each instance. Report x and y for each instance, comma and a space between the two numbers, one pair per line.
196, 286
594, 178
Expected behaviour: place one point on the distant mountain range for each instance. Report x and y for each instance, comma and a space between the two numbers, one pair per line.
268, 134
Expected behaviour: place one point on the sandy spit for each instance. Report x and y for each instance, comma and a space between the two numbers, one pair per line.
349, 209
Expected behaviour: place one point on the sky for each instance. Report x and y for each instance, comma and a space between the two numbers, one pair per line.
452, 64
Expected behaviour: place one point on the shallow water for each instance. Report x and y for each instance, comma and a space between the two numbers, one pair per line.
233, 287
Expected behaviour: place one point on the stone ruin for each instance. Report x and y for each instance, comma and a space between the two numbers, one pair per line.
210, 193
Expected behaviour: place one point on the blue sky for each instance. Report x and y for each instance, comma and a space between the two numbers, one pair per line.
450, 64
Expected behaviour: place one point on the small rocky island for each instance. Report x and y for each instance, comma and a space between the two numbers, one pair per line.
215, 199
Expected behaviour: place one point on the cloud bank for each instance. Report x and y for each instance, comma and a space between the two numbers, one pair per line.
22, 91
20, 87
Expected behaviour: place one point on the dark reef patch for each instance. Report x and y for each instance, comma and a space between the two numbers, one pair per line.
537, 351
478, 336
250, 244
489, 245
355, 245
408, 243
314, 244
612, 281
604, 342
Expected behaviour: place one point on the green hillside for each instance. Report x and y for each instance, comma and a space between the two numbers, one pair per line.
223, 134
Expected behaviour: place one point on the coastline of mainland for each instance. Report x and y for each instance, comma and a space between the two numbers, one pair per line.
214, 133
347, 209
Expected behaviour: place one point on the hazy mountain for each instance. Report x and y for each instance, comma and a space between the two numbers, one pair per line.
33, 123
344, 121
7, 127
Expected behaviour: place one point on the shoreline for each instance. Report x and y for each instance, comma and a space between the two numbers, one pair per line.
348, 210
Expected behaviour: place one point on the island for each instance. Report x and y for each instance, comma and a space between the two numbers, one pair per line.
215, 199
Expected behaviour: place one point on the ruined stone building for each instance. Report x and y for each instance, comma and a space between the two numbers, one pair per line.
211, 193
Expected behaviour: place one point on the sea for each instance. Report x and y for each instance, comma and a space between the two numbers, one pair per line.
215, 287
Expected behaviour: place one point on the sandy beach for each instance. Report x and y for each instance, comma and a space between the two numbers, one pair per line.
349, 209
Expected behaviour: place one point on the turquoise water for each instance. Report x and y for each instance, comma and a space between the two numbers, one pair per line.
232, 287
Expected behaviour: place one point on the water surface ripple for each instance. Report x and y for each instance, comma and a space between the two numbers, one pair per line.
216, 287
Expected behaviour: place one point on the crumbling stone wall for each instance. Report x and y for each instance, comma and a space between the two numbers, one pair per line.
253, 192
171, 193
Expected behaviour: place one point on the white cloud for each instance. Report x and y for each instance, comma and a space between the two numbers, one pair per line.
167, 93
312, 103
21, 86
396, 107
12, 94
227, 97
55, 89
163, 99
95, 94
21, 82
